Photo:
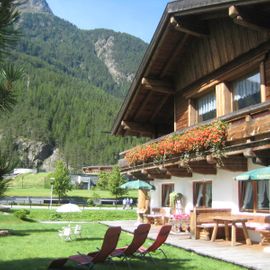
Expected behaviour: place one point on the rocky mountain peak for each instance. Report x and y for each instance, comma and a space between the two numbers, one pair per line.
104, 50
34, 6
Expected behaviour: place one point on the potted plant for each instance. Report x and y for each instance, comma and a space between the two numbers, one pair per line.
176, 200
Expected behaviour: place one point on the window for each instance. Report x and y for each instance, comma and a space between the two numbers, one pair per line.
254, 196
202, 194
246, 91
166, 190
206, 107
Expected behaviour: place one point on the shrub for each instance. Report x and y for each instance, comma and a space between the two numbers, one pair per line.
55, 216
90, 202
94, 199
22, 214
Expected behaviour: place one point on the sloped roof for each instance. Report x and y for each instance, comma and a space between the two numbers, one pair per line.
175, 8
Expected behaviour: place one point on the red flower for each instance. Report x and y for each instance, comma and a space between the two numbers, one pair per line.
194, 140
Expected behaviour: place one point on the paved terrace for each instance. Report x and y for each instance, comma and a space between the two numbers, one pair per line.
252, 257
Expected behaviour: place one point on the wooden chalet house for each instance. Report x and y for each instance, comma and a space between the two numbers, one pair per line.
208, 60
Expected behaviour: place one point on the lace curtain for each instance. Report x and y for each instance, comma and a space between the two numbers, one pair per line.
246, 87
204, 194
263, 194
199, 201
248, 196
208, 195
207, 103
166, 190
261, 199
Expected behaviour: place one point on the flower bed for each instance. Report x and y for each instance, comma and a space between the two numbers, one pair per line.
194, 142
181, 216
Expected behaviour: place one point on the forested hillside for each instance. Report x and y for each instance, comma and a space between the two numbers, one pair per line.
73, 86
82, 53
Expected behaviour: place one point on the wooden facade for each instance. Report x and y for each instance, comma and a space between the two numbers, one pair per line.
94, 170
191, 54
202, 49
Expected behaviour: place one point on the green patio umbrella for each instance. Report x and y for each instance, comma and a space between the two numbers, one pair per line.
257, 174
137, 184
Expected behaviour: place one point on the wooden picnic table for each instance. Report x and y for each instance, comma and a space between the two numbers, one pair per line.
230, 220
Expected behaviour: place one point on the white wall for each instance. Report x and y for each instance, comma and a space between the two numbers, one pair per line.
224, 188
224, 191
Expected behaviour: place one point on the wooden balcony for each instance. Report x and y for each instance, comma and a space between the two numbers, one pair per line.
248, 136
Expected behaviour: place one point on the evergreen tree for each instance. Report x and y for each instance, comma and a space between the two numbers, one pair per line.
103, 180
68, 97
8, 75
62, 180
115, 181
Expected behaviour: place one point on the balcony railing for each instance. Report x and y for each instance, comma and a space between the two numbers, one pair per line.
247, 128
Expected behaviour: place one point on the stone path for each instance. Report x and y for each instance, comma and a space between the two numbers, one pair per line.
252, 257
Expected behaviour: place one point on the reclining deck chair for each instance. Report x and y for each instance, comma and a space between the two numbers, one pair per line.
161, 238
109, 244
140, 235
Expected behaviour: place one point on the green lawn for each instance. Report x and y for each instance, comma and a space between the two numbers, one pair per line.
37, 185
43, 192
85, 215
33, 245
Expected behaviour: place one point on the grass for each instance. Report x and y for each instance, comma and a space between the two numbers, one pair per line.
85, 215
33, 245
43, 192
37, 185
33, 180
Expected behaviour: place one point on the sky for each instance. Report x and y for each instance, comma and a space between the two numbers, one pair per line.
136, 17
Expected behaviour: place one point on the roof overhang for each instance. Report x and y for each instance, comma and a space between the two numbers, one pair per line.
134, 114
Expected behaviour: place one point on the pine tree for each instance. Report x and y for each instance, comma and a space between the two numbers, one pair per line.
115, 181
62, 180
8, 75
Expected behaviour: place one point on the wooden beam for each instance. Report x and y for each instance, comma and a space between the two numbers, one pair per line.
263, 82
143, 105
179, 172
137, 127
159, 107
139, 175
203, 167
198, 29
158, 173
160, 176
240, 65
179, 47
261, 161
246, 129
251, 19
237, 163
156, 48
262, 157
158, 86
249, 153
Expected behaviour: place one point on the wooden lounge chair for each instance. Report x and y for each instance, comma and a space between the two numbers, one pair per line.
161, 238
109, 244
140, 235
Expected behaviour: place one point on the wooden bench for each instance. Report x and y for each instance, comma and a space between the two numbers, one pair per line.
158, 216
258, 223
202, 222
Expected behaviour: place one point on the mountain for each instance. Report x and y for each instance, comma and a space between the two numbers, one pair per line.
35, 6
73, 86
104, 58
